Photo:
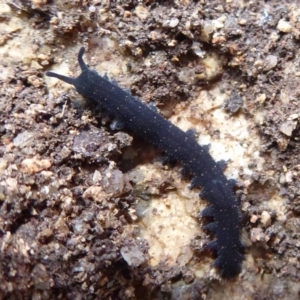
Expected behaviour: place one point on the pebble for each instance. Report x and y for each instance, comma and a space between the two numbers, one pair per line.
257, 234
288, 127
132, 255
34, 165
142, 12
92, 9
270, 62
265, 218
284, 26
253, 218
174, 22
242, 22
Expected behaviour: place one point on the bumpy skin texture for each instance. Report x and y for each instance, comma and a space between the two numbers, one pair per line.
141, 121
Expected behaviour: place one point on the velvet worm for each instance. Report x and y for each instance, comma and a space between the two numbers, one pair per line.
143, 122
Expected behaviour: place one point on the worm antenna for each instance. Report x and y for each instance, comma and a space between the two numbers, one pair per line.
82, 64
61, 77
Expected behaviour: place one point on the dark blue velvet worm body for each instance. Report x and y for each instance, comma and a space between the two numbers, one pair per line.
143, 122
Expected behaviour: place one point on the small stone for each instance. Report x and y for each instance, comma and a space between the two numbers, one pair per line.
142, 12
54, 21
207, 31
288, 127
289, 177
219, 8
41, 278
42, 56
270, 62
256, 234
197, 48
219, 23
282, 179
258, 63
172, 43
218, 39
34, 165
127, 14
274, 36
233, 103
11, 184
24, 138
114, 182
35, 65
154, 35
45, 235
96, 193
35, 81
97, 177
38, 3
284, 26
92, 9
132, 255
265, 218
242, 22
7, 73
261, 98
188, 277
246, 206
173, 22
293, 117
282, 143
253, 218
3, 164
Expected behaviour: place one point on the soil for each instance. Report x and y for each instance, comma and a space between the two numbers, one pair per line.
88, 212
